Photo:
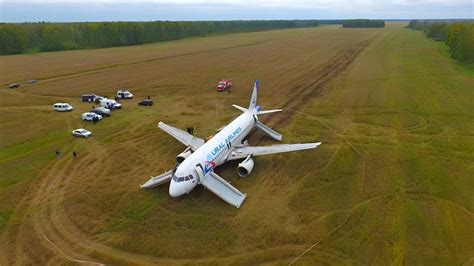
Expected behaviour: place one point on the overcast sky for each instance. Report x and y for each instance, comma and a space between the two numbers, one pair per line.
147, 10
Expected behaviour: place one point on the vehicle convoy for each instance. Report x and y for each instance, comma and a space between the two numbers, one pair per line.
62, 107
124, 94
91, 116
80, 132
104, 112
110, 104
225, 84
197, 162
146, 102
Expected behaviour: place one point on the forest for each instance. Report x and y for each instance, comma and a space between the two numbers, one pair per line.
457, 35
44, 36
363, 23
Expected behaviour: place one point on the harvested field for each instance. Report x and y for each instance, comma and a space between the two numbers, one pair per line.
391, 183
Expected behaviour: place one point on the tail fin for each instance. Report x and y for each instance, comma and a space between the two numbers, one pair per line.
253, 100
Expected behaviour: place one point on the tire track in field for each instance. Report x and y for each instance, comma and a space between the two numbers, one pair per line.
312, 83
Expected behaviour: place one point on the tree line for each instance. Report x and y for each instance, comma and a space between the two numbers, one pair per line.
18, 38
457, 35
363, 23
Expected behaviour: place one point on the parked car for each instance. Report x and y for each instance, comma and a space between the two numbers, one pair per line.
101, 111
224, 84
110, 104
14, 85
80, 132
124, 94
146, 102
88, 97
90, 116
62, 107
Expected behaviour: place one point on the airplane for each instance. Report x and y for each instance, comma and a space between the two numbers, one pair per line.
196, 164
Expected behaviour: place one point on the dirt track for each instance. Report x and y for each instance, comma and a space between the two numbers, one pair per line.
311, 84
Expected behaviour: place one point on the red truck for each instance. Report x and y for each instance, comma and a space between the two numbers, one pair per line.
224, 84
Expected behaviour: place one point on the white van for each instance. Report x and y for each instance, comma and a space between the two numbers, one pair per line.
110, 104
62, 107
124, 94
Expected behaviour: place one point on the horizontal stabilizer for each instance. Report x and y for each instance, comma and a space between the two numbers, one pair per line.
223, 189
268, 111
158, 180
270, 132
240, 108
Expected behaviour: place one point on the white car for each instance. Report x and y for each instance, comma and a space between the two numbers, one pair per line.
124, 94
110, 104
62, 107
90, 116
80, 132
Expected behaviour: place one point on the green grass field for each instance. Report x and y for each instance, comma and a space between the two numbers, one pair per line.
391, 184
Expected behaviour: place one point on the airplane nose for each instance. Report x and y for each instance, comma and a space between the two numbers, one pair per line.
175, 189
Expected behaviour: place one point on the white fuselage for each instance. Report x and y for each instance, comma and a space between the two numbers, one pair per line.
210, 155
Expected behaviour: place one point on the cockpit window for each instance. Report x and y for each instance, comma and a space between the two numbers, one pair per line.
181, 179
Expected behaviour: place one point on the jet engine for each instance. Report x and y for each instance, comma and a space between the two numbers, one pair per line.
180, 158
245, 167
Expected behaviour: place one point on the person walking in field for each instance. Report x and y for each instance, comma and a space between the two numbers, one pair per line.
74, 154
58, 154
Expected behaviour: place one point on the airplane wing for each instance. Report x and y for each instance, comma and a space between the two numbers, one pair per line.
244, 151
182, 136
223, 189
158, 180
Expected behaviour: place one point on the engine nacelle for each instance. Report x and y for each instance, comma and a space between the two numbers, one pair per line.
245, 167
182, 156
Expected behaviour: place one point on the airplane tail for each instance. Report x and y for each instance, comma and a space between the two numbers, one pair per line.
253, 107
253, 101
255, 110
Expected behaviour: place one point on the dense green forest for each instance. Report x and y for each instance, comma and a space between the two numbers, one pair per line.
18, 38
458, 36
331, 21
363, 23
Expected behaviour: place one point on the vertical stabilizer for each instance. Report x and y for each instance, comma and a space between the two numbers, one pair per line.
253, 100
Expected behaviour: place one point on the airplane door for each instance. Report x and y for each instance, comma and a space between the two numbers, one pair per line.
199, 172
